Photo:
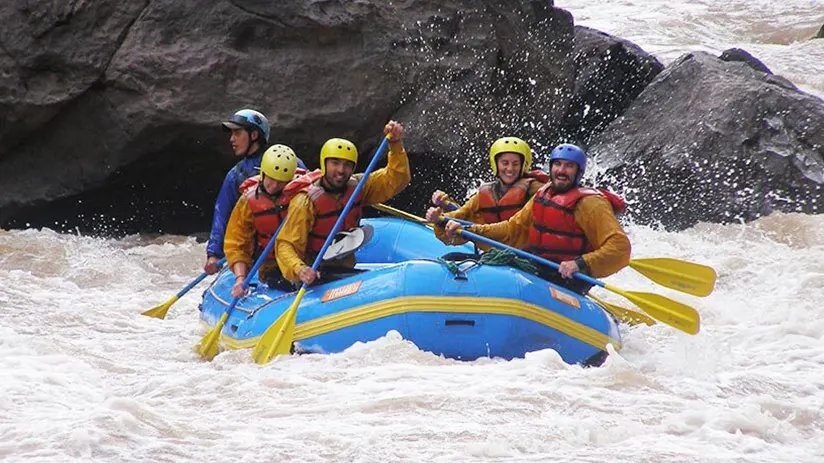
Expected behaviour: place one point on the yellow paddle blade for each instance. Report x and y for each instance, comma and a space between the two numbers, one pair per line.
628, 316
663, 309
402, 214
687, 277
278, 338
160, 310
208, 346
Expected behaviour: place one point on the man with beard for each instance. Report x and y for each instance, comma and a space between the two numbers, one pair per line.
249, 135
314, 211
566, 223
510, 159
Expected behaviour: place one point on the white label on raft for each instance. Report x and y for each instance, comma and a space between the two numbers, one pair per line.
565, 298
341, 291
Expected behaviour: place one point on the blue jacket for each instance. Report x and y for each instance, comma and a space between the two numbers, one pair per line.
227, 197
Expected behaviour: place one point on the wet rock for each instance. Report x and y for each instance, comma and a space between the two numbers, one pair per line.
51, 54
738, 54
716, 141
126, 118
609, 74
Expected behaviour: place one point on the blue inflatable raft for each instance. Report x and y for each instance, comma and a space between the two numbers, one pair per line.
480, 311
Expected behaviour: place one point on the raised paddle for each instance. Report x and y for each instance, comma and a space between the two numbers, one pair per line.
208, 346
663, 309
680, 275
161, 310
278, 338
630, 316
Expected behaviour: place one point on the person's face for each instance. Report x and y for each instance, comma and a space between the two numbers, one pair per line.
509, 167
239, 138
338, 172
562, 174
272, 186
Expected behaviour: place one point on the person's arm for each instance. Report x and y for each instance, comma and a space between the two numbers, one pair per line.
510, 232
385, 183
612, 246
225, 202
469, 211
290, 244
239, 242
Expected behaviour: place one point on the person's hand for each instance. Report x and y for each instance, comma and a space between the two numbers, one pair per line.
439, 198
307, 275
567, 268
238, 290
211, 265
394, 130
433, 214
452, 228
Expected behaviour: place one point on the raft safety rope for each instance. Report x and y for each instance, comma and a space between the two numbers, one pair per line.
497, 257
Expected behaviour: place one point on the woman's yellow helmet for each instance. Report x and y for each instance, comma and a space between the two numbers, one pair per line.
510, 145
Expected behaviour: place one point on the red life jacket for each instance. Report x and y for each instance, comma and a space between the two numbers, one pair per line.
513, 200
327, 210
269, 211
554, 234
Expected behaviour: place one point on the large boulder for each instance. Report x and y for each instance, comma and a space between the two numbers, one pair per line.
131, 141
51, 54
717, 141
610, 73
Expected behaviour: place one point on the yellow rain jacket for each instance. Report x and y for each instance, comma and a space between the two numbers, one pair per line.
471, 211
381, 185
593, 214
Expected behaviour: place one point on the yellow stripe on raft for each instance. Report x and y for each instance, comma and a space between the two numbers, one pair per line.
402, 305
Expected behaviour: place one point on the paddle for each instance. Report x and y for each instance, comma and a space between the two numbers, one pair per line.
278, 338
161, 310
663, 309
680, 275
623, 314
208, 346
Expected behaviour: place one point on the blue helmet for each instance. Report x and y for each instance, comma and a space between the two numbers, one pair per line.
249, 119
572, 153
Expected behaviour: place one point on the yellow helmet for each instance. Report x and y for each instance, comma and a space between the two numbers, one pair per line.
337, 148
510, 145
279, 163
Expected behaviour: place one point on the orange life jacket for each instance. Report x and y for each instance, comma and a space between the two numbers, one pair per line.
497, 210
327, 210
554, 234
269, 211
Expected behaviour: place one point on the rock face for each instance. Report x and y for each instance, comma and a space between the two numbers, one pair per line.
110, 111
716, 141
737, 54
125, 121
51, 54
609, 74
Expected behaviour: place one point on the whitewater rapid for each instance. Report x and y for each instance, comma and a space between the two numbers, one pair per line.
84, 377
777, 33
